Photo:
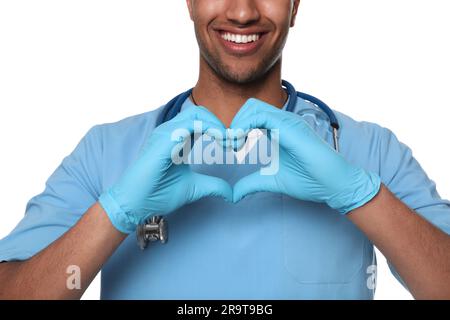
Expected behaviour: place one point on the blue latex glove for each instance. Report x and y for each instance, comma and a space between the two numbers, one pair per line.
153, 184
309, 168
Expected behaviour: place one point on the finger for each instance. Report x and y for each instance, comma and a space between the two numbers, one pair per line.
251, 108
253, 183
291, 128
234, 139
186, 131
226, 138
205, 186
197, 119
187, 118
199, 113
171, 137
258, 114
274, 126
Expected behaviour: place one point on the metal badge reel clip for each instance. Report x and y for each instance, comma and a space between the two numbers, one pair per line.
153, 229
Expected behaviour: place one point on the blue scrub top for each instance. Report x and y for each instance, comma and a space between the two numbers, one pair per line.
267, 246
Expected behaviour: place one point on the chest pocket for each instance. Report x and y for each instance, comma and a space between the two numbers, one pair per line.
320, 246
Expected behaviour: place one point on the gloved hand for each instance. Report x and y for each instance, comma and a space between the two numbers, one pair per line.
153, 184
309, 168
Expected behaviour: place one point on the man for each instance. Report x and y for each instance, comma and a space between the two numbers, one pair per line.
306, 231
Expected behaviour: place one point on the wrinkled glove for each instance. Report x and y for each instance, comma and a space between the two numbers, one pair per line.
309, 168
153, 184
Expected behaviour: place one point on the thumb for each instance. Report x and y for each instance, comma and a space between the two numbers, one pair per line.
204, 186
255, 182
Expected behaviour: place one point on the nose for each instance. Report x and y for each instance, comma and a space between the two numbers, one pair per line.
242, 12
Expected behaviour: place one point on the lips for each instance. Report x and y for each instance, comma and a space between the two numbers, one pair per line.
240, 44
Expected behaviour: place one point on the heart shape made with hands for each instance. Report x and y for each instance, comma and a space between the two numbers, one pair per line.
235, 140
244, 132
309, 168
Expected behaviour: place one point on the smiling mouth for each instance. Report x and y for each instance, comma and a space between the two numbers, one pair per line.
240, 38
241, 44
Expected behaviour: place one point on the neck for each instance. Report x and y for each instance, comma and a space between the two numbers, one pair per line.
224, 98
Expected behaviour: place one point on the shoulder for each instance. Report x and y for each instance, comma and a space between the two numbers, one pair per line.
364, 131
367, 143
139, 123
348, 126
122, 138
378, 149
108, 148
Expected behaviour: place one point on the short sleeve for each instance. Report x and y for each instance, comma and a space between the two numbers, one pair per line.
71, 189
404, 177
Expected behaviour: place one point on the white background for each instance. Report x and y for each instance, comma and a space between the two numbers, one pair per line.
67, 65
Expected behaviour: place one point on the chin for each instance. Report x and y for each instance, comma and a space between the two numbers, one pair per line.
240, 76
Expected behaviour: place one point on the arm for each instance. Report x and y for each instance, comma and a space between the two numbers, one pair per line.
88, 244
309, 169
419, 251
152, 185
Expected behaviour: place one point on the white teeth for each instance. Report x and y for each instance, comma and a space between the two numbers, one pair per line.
238, 38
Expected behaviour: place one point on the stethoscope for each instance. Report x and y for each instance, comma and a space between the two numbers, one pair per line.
155, 228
